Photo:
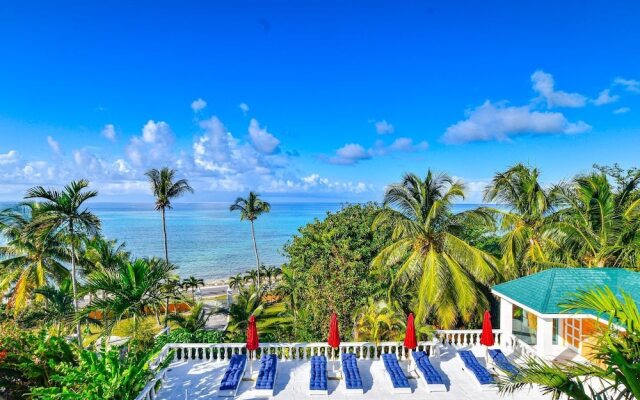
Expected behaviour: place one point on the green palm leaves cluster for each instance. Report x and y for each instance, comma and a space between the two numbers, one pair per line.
445, 271
131, 290
592, 220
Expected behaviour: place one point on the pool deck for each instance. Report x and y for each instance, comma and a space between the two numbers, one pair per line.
199, 380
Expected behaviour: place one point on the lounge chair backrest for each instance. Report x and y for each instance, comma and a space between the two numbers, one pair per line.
471, 362
431, 375
398, 379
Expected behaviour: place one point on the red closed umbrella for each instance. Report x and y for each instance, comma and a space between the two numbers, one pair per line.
410, 335
334, 332
487, 338
334, 335
252, 339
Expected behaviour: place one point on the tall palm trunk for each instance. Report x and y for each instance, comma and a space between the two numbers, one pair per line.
164, 234
74, 283
255, 249
166, 260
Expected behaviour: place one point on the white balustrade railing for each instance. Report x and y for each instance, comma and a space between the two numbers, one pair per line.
221, 352
521, 348
465, 338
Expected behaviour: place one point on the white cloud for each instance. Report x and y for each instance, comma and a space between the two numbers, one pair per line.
54, 145
500, 122
198, 105
109, 132
11, 157
153, 146
621, 110
244, 107
350, 154
631, 85
544, 84
384, 128
605, 97
262, 140
406, 144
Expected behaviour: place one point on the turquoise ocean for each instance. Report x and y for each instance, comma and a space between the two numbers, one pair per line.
205, 239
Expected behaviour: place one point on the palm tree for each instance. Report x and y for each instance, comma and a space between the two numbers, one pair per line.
194, 321
289, 288
164, 190
131, 291
247, 303
192, 283
62, 211
170, 290
447, 272
59, 307
28, 260
524, 243
618, 353
266, 273
236, 282
598, 225
378, 321
251, 276
250, 209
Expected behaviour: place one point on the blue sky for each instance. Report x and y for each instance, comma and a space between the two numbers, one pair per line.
313, 100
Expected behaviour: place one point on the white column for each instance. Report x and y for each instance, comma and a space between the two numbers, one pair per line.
545, 337
506, 319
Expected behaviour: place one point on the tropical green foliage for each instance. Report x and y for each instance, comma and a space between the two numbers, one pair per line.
618, 351
329, 269
446, 272
194, 321
193, 284
105, 375
29, 260
524, 243
28, 359
64, 213
132, 290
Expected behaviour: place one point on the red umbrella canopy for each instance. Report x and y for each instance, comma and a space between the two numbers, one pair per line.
334, 332
487, 330
410, 335
252, 335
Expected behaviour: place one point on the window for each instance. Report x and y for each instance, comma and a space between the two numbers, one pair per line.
573, 332
525, 326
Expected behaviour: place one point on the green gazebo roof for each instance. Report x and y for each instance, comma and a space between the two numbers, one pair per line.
546, 290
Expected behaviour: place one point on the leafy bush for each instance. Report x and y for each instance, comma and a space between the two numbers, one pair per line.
181, 335
98, 376
330, 260
28, 359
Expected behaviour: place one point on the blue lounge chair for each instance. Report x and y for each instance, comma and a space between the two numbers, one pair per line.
502, 362
429, 374
399, 381
480, 373
351, 374
233, 376
318, 377
266, 376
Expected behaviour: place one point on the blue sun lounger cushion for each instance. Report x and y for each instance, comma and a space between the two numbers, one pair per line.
471, 363
267, 373
502, 361
233, 374
428, 371
396, 374
318, 379
351, 372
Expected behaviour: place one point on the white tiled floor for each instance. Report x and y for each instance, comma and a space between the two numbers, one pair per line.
196, 380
